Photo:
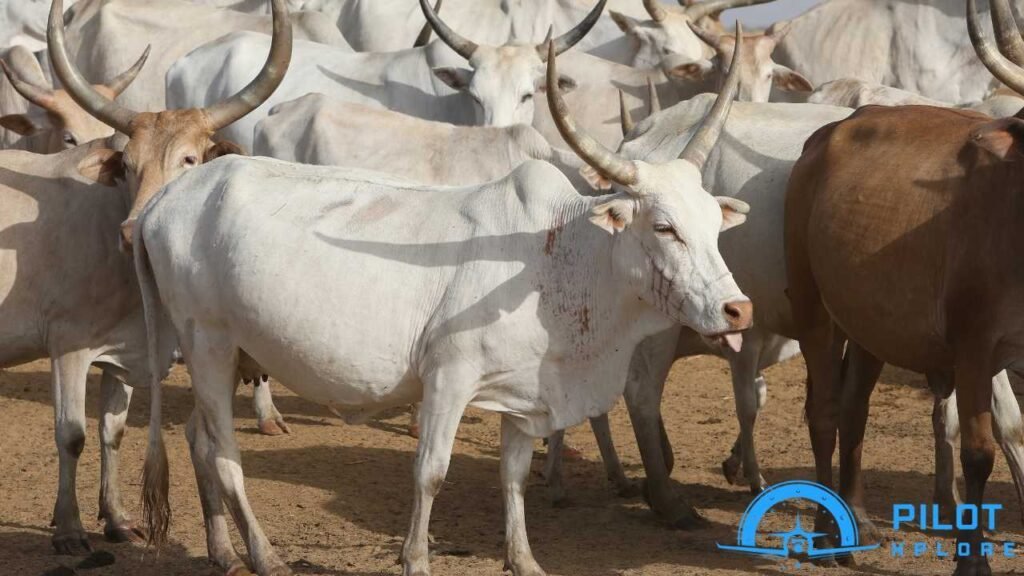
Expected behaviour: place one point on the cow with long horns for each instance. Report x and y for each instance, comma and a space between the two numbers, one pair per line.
520, 296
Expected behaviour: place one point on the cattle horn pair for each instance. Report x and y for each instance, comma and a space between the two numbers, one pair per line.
626, 117
220, 115
697, 10
1007, 69
621, 170
465, 47
43, 97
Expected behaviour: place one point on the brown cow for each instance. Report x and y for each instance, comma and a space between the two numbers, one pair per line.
902, 231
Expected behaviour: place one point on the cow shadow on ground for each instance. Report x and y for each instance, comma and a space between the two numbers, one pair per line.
177, 400
608, 534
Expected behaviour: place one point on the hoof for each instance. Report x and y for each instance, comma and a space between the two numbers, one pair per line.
531, 570
281, 570
274, 427
238, 569
972, 566
731, 469
122, 533
759, 486
73, 543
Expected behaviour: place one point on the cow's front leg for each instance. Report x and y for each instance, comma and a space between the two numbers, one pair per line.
743, 366
69, 372
516, 454
648, 369
213, 363
946, 430
269, 420
439, 414
114, 415
1009, 430
977, 452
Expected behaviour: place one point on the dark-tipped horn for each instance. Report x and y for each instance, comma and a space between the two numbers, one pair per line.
570, 38
699, 10
709, 37
700, 146
656, 10
1000, 66
460, 45
606, 162
654, 103
1007, 32
42, 97
424, 36
625, 117
107, 111
779, 30
121, 82
269, 78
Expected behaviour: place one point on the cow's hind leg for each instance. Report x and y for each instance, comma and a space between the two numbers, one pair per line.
440, 413
973, 385
1009, 430
745, 391
218, 540
859, 378
946, 429
553, 469
116, 396
213, 363
613, 470
69, 372
269, 420
516, 453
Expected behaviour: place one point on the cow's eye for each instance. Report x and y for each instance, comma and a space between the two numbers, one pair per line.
664, 230
191, 160
70, 139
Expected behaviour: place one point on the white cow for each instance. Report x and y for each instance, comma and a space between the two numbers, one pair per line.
497, 90
105, 34
916, 45
317, 129
519, 296
856, 93
23, 23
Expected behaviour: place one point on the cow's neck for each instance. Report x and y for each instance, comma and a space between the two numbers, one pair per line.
585, 300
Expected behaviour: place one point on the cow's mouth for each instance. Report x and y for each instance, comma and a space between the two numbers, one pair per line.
730, 340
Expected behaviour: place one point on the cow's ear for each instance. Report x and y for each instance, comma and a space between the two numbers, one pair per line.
1004, 138
224, 148
628, 25
565, 83
19, 124
614, 215
693, 71
790, 80
103, 165
456, 78
734, 212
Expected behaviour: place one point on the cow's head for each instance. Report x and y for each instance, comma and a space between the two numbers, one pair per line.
758, 72
162, 145
668, 32
1003, 137
63, 121
666, 225
502, 80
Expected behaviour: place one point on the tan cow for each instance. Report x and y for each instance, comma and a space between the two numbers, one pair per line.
903, 227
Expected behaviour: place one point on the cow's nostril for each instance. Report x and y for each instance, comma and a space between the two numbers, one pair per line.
739, 314
732, 311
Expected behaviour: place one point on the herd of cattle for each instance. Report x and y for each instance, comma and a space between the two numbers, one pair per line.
416, 226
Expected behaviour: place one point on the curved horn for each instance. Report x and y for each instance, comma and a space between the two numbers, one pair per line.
1001, 67
570, 38
711, 7
424, 36
656, 10
121, 82
654, 103
107, 111
269, 78
709, 37
589, 150
700, 146
460, 45
42, 97
779, 30
1007, 33
625, 117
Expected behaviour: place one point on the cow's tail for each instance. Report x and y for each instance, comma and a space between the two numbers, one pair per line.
156, 507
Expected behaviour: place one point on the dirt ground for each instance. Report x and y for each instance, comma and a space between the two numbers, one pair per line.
335, 499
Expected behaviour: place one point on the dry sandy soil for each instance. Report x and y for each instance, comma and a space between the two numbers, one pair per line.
335, 499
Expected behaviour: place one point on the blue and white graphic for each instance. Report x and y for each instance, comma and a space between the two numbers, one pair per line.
798, 541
